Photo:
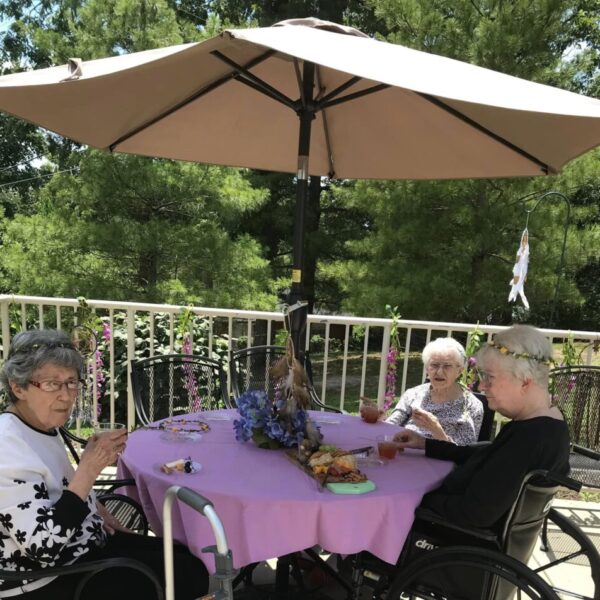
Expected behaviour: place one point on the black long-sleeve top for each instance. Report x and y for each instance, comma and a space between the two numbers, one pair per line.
486, 482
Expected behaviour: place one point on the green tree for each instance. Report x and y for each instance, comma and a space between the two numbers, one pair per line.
134, 228
445, 250
327, 224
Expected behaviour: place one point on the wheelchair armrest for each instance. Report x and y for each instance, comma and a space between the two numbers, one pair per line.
564, 481
427, 514
586, 452
481, 444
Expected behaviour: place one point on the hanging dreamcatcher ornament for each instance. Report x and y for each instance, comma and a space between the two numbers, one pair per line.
280, 419
84, 340
517, 283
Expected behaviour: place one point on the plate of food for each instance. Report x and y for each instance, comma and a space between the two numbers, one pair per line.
332, 465
335, 466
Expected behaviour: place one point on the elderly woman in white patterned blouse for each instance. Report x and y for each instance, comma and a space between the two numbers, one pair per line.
441, 409
48, 512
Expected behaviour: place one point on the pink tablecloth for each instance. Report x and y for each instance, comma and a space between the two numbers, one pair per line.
268, 506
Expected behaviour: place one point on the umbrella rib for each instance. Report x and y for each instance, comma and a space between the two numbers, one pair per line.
545, 168
263, 91
188, 100
354, 95
259, 84
338, 90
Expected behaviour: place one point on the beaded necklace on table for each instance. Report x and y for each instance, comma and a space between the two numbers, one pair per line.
173, 425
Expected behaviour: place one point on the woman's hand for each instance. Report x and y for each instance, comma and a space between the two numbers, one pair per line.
409, 439
429, 421
111, 523
100, 451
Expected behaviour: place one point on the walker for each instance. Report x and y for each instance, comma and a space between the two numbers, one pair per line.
224, 572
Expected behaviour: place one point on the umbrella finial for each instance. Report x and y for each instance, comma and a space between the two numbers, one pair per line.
75, 66
320, 24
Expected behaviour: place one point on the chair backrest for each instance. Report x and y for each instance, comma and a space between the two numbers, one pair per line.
487, 424
175, 384
526, 516
576, 392
250, 370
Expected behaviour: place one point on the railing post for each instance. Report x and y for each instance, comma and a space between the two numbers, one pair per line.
385, 348
130, 357
5, 326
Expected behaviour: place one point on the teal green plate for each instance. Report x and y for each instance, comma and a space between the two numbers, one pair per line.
351, 488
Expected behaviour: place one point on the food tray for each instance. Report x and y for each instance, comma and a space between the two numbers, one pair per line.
358, 476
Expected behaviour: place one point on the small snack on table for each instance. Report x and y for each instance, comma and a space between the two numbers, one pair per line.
182, 465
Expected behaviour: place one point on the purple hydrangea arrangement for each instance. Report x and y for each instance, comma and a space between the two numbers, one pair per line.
261, 422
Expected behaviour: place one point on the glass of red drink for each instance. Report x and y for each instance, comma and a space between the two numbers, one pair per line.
386, 447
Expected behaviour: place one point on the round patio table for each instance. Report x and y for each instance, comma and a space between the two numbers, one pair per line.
269, 506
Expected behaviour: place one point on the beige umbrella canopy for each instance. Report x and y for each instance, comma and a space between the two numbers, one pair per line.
269, 98
431, 118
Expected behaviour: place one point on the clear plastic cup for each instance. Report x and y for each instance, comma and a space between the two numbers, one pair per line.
386, 447
108, 427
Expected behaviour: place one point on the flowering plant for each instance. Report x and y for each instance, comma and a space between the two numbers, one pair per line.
260, 421
475, 339
392, 358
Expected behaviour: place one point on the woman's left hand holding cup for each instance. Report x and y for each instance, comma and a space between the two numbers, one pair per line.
112, 438
101, 450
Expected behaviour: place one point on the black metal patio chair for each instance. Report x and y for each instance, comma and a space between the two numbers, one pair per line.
177, 384
487, 424
125, 509
250, 369
90, 569
576, 392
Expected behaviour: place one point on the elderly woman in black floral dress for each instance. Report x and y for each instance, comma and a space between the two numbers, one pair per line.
48, 512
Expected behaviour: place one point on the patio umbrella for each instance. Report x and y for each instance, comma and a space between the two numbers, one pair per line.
271, 98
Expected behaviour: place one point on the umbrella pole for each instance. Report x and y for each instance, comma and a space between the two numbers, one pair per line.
306, 114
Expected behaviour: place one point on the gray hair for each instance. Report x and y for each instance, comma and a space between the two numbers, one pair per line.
445, 344
31, 350
523, 350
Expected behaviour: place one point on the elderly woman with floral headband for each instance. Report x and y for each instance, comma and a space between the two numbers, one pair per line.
513, 374
48, 512
442, 408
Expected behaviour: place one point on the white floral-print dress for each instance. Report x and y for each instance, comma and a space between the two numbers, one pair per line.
460, 418
42, 524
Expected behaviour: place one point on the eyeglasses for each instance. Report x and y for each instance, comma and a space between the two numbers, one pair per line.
485, 377
444, 366
52, 386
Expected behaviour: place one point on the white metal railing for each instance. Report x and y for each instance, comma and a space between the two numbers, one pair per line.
237, 328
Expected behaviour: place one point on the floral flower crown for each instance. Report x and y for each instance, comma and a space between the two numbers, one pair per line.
508, 352
50, 345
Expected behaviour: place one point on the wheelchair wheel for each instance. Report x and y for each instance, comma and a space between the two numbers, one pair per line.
570, 562
467, 573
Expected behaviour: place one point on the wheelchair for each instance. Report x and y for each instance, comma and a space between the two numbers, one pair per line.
444, 561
